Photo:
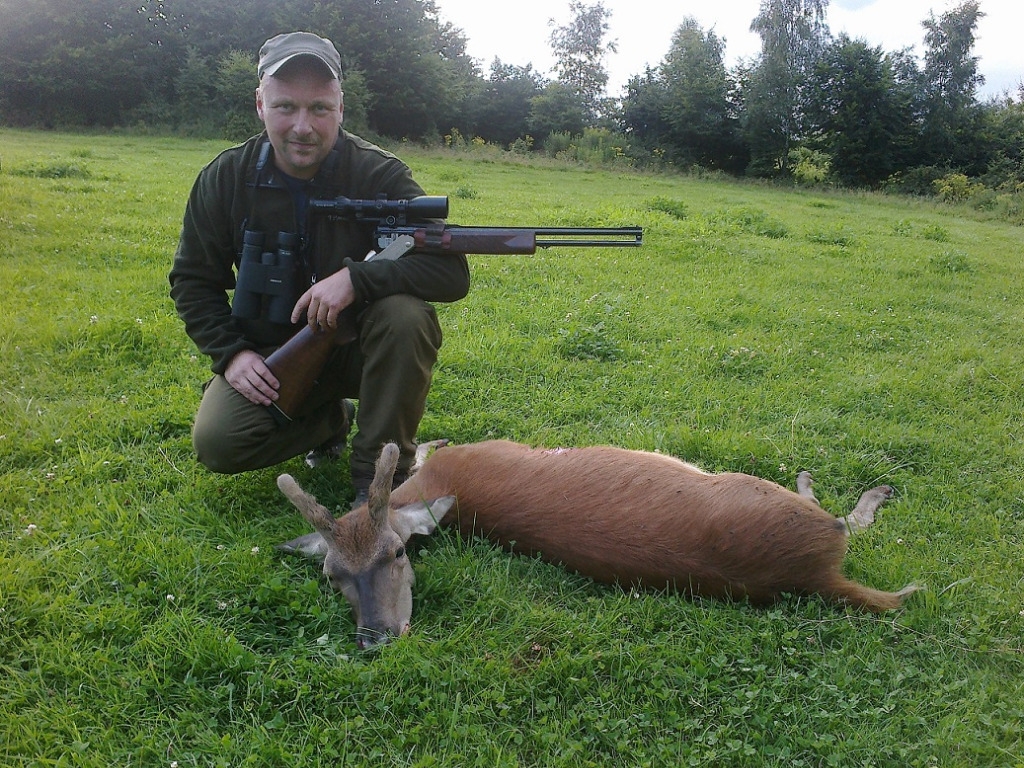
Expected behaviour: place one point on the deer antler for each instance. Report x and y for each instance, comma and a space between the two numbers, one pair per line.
315, 513
380, 488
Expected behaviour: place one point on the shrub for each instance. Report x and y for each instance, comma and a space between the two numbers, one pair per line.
55, 169
557, 143
956, 188
595, 146
915, 181
675, 208
521, 146
455, 140
809, 166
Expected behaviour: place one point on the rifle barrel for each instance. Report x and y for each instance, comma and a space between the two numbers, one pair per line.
548, 237
455, 238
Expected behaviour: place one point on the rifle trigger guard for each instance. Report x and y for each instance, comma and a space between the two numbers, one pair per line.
397, 248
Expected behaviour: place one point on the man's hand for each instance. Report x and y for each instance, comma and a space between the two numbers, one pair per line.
248, 374
325, 300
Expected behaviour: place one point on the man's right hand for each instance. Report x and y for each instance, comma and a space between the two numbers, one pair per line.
250, 376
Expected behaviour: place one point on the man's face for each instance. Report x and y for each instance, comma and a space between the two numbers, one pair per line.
301, 108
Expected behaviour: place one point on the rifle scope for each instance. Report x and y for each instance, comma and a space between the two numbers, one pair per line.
390, 213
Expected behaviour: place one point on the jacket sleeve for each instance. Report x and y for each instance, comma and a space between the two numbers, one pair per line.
202, 273
430, 277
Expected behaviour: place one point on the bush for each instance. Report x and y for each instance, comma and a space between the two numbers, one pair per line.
918, 181
595, 146
55, 168
521, 146
809, 166
956, 188
674, 208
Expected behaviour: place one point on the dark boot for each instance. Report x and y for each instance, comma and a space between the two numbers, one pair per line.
332, 448
362, 486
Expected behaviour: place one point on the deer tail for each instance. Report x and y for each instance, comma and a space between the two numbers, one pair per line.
876, 600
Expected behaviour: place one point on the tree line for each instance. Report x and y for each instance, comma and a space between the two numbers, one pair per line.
822, 107
810, 106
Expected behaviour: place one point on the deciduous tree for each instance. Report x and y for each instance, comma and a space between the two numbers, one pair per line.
501, 110
579, 49
793, 33
858, 113
952, 113
683, 107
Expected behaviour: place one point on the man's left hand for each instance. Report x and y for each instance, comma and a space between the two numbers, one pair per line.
325, 300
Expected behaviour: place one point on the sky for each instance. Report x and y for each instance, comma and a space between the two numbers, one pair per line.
518, 31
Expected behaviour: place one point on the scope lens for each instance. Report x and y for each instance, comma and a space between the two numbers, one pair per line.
427, 207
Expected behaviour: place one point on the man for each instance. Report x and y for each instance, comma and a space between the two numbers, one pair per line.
263, 187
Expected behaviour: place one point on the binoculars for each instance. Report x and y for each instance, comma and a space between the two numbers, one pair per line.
268, 281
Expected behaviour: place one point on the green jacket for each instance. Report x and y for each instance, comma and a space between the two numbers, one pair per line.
231, 195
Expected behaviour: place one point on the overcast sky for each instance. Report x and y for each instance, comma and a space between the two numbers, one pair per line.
518, 32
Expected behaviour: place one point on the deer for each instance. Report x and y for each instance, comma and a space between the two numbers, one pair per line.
617, 516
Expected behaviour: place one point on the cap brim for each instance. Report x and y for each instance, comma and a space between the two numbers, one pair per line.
270, 69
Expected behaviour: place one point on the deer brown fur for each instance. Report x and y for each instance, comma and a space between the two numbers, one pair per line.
635, 518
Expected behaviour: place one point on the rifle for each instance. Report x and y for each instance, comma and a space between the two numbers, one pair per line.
403, 226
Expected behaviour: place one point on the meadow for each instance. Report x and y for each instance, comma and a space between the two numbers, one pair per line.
146, 620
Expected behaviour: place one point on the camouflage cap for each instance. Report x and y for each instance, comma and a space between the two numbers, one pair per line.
281, 49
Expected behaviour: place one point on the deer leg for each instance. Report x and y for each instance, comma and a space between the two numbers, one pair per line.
423, 451
863, 514
804, 485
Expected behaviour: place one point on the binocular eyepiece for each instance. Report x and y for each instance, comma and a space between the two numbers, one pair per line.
268, 281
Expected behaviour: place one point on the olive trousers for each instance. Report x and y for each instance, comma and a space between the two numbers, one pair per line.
388, 369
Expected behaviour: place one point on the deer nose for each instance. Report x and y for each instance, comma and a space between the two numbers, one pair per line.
367, 639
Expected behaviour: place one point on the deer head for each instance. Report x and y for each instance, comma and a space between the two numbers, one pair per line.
364, 551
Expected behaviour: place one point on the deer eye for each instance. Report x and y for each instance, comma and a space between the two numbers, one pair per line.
400, 553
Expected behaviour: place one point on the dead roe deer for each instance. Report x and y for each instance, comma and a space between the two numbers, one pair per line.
614, 515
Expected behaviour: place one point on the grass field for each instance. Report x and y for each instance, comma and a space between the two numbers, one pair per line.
145, 619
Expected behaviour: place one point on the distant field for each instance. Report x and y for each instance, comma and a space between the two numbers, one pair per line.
146, 620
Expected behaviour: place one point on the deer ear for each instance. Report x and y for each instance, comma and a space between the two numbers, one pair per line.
420, 518
312, 545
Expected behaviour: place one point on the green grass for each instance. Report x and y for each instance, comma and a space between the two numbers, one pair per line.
146, 620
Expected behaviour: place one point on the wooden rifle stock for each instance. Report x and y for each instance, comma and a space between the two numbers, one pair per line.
298, 362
